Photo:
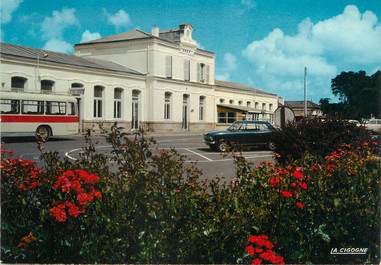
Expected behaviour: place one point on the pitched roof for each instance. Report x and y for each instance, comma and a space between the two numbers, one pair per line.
11, 50
172, 36
241, 87
300, 104
130, 35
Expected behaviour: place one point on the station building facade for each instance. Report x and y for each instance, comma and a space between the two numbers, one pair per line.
159, 81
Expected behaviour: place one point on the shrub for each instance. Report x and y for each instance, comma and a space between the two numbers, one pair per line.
149, 206
316, 136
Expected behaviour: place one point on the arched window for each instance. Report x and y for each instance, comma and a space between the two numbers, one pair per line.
47, 86
270, 107
256, 105
201, 112
240, 102
263, 106
98, 101
222, 100
248, 104
167, 105
118, 103
231, 101
18, 83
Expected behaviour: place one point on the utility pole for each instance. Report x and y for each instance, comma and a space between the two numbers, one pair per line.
305, 91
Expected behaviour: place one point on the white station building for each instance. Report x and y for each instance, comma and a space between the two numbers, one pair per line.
159, 81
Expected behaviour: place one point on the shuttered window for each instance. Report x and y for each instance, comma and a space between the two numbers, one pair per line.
168, 66
207, 74
187, 70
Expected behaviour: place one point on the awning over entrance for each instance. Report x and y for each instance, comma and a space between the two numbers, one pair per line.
239, 108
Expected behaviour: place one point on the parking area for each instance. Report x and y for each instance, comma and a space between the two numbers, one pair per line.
212, 163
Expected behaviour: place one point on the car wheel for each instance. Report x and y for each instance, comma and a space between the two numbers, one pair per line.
223, 146
43, 133
271, 146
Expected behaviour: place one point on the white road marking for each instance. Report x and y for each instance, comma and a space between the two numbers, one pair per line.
223, 160
193, 152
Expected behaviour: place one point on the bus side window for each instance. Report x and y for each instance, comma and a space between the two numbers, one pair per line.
55, 108
10, 106
71, 108
32, 107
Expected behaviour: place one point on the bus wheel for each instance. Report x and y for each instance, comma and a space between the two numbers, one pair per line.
43, 133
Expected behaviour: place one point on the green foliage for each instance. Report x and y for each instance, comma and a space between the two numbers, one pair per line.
155, 208
359, 95
316, 136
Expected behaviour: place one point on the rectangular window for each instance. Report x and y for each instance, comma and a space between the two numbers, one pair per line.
9, 106
55, 108
97, 108
167, 106
222, 117
117, 109
71, 108
201, 72
207, 74
32, 107
231, 117
201, 109
168, 66
187, 70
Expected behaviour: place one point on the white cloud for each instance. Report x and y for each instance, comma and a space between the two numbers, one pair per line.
89, 36
119, 20
55, 25
228, 66
7, 7
350, 38
58, 46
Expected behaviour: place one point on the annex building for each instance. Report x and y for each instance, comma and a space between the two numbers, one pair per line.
160, 81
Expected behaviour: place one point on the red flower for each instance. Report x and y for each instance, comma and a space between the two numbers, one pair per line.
84, 198
258, 250
59, 213
97, 194
250, 250
293, 185
265, 243
303, 185
72, 209
283, 172
274, 182
286, 194
300, 205
297, 174
256, 261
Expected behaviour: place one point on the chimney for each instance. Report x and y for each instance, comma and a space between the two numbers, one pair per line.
155, 31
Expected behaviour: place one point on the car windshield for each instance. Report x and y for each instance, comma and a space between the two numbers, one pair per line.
235, 126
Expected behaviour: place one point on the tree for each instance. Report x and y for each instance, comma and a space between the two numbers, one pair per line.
358, 93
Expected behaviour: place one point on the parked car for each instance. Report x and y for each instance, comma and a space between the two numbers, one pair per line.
242, 133
373, 125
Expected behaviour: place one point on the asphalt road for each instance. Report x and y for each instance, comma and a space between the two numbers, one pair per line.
211, 163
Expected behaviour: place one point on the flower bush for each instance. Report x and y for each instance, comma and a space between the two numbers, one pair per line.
143, 205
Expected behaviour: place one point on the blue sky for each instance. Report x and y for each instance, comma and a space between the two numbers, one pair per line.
261, 43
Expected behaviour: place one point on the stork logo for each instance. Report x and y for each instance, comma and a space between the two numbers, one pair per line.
349, 251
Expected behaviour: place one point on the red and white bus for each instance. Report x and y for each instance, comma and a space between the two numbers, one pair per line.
25, 114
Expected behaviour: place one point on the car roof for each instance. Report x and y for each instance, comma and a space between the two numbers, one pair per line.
266, 122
